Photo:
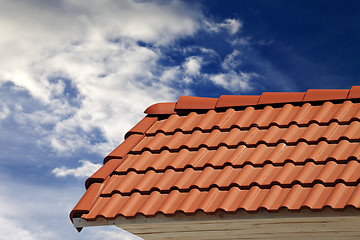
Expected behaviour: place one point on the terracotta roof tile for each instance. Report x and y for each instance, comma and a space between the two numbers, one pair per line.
243, 177
277, 150
236, 101
142, 126
161, 108
293, 198
194, 103
281, 97
354, 92
87, 201
104, 172
124, 147
325, 94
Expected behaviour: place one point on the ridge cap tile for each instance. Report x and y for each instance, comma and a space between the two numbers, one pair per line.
164, 108
354, 92
237, 100
281, 97
325, 94
195, 103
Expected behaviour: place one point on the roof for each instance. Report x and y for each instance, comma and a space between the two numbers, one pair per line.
277, 150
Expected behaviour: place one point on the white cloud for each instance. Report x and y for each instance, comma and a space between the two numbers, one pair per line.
86, 170
83, 63
90, 76
231, 61
232, 81
4, 111
192, 65
241, 41
30, 212
232, 26
10, 229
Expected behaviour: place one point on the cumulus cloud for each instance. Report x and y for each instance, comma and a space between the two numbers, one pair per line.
88, 69
232, 81
84, 65
232, 78
86, 170
192, 65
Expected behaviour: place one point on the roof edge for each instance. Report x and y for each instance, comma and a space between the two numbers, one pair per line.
102, 173
121, 151
142, 126
203, 216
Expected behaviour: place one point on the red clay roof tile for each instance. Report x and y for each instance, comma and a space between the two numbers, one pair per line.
104, 172
238, 152
161, 108
236, 101
293, 198
281, 97
125, 147
325, 94
87, 201
195, 103
354, 92
142, 126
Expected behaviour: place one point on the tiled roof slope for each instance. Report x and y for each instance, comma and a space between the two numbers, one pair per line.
277, 150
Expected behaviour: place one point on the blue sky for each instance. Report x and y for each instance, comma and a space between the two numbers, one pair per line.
76, 75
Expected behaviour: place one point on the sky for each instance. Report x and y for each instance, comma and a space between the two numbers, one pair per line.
75, 76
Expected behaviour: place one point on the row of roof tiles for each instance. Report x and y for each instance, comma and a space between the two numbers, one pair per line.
287, 175
225, 101
262, 118
230, 200
252, 137
278, 155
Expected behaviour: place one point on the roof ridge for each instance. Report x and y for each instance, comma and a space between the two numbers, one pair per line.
186, 103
